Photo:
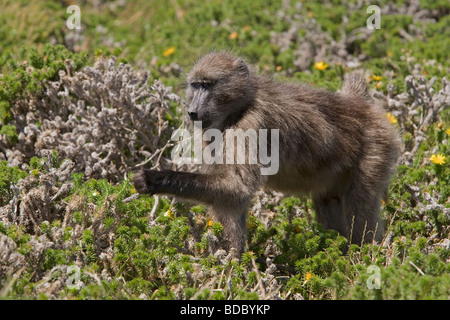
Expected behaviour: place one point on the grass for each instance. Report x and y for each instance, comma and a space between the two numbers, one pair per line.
104, 232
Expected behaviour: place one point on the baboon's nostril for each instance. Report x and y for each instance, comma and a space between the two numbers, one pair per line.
193, 115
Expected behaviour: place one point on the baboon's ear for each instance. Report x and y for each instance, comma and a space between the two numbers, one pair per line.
241, 66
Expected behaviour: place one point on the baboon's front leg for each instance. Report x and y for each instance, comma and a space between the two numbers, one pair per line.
205, 188
184, 184
234, 221
226, 193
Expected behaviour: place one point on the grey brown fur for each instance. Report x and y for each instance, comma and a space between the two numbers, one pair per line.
338, 147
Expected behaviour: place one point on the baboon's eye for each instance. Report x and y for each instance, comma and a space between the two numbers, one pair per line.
202, 84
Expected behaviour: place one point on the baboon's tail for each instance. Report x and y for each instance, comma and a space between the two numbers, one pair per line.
355, 86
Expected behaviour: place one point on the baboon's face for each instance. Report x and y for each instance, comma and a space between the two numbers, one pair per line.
219, 85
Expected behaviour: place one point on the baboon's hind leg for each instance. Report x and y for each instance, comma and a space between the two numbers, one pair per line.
361, 206
330, 214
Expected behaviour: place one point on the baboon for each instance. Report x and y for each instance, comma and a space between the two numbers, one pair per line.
337, 147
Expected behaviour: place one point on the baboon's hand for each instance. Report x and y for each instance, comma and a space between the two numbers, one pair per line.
143, 181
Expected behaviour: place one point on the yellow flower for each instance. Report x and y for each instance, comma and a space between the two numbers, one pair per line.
233, 35
447, 131
169, 51
438, 159
169, 213
209, 223
391, 118
377, 78
378, 85
278, 68
320, 65
308, 276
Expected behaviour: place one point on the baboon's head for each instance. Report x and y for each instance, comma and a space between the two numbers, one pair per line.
219, 87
